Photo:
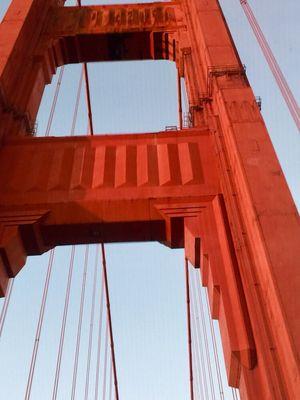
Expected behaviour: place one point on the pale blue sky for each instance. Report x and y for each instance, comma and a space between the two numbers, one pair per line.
146, 280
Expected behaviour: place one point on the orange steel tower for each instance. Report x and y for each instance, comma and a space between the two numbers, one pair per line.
215, 189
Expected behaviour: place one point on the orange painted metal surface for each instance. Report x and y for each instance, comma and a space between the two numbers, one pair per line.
106, 19
217, 190
88, 187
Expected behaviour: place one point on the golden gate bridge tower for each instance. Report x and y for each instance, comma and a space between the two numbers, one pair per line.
214, 187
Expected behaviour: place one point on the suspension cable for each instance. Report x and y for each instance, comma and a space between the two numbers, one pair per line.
88, 93
109, 322
6, 304
50, 262
273, 64
105, 361
197, 388
75, 114
110, 382
54, 101
234, 394
237, 393
39, 326
92, 317
179, 95
199, 301
200, 356
82, 299
215, 350
88, 98
195, 344
63, 324
71, 266
188, 312
99, 340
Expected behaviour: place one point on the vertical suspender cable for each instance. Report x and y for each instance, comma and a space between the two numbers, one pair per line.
179, 99
88, 94
200, 357
197, 388
105, 362
82, 299
197, 290
63, 325
99, 341
88, 368
110, 393
88, 98
50, 263
234, 395
273, 64
39, 326
6, 304
54, 102
216, 355
77, 104
71, 267
109, 322
196, 342
188, 312
91, 131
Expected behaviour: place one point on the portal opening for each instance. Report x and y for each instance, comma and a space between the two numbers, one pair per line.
126, 97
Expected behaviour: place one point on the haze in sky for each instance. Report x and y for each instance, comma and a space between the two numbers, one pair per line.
146, 280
